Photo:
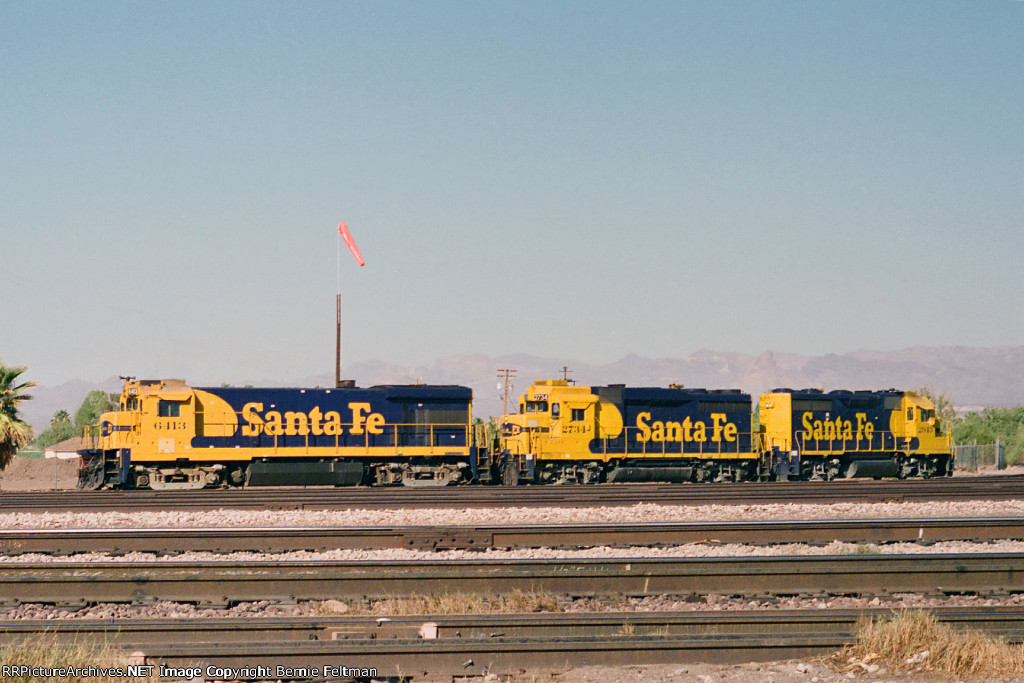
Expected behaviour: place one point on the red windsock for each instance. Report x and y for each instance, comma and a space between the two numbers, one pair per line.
347, 236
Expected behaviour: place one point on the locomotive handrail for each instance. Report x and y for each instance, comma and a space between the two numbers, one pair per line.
90, 437
887, 443
394, 434
682, 448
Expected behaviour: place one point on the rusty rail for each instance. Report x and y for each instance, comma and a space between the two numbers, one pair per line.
226, 583
438, 647
164, 541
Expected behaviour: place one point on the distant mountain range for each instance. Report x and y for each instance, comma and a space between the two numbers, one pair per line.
973, 377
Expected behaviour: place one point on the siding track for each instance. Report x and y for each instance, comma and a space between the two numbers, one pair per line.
439, 647
945, 489
166, 541
227, 582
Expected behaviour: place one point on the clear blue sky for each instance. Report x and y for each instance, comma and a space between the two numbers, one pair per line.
582, 180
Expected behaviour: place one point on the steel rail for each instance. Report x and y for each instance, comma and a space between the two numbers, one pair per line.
946, 489
164, 541
229, 582
155, 631
431, 645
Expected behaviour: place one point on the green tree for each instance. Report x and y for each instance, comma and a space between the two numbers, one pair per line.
60, 429
94, 405
1005, 424
13, 432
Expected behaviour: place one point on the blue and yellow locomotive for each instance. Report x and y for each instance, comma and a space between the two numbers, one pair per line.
167, 435
566, 433
818, 435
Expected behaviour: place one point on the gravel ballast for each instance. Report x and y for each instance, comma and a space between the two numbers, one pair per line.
640, 513
693, 550
661, 603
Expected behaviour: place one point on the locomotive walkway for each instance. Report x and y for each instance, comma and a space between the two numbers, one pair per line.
431, 647
746, 493
229, 582
165, 541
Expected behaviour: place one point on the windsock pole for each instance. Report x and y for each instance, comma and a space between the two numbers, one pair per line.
337, 345
343, 234
337, 350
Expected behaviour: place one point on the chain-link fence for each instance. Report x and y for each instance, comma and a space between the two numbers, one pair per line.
976, 455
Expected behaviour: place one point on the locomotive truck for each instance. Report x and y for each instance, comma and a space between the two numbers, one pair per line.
165, 434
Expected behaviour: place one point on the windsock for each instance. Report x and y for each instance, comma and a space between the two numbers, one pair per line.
347, 236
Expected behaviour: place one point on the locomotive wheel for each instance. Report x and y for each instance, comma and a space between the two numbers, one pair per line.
509, 473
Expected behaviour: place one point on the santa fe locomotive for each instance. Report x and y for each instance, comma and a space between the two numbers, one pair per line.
165, 434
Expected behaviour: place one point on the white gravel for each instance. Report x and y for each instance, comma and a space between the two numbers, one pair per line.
492, 516
601, 552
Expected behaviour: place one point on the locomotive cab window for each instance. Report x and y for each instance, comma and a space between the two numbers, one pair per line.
556, 410
536, 406
910, 414
169, 409
578, 414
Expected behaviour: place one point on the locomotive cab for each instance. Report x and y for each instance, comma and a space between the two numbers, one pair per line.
922, 435
519, 432
166, 409
556, 421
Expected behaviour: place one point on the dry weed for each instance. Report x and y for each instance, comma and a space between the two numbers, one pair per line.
915, 641
447, 603
866, 549
45, 651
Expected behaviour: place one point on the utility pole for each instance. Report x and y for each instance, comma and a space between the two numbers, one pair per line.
565, 374
506, 375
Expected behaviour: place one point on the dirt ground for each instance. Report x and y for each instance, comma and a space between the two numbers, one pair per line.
39, 474
796, 671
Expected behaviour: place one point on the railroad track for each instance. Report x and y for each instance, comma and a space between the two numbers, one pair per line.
230, 582
430, 647
168, 541
945, 489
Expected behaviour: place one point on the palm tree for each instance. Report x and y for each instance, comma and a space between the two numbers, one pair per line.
13, 432
60, 416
